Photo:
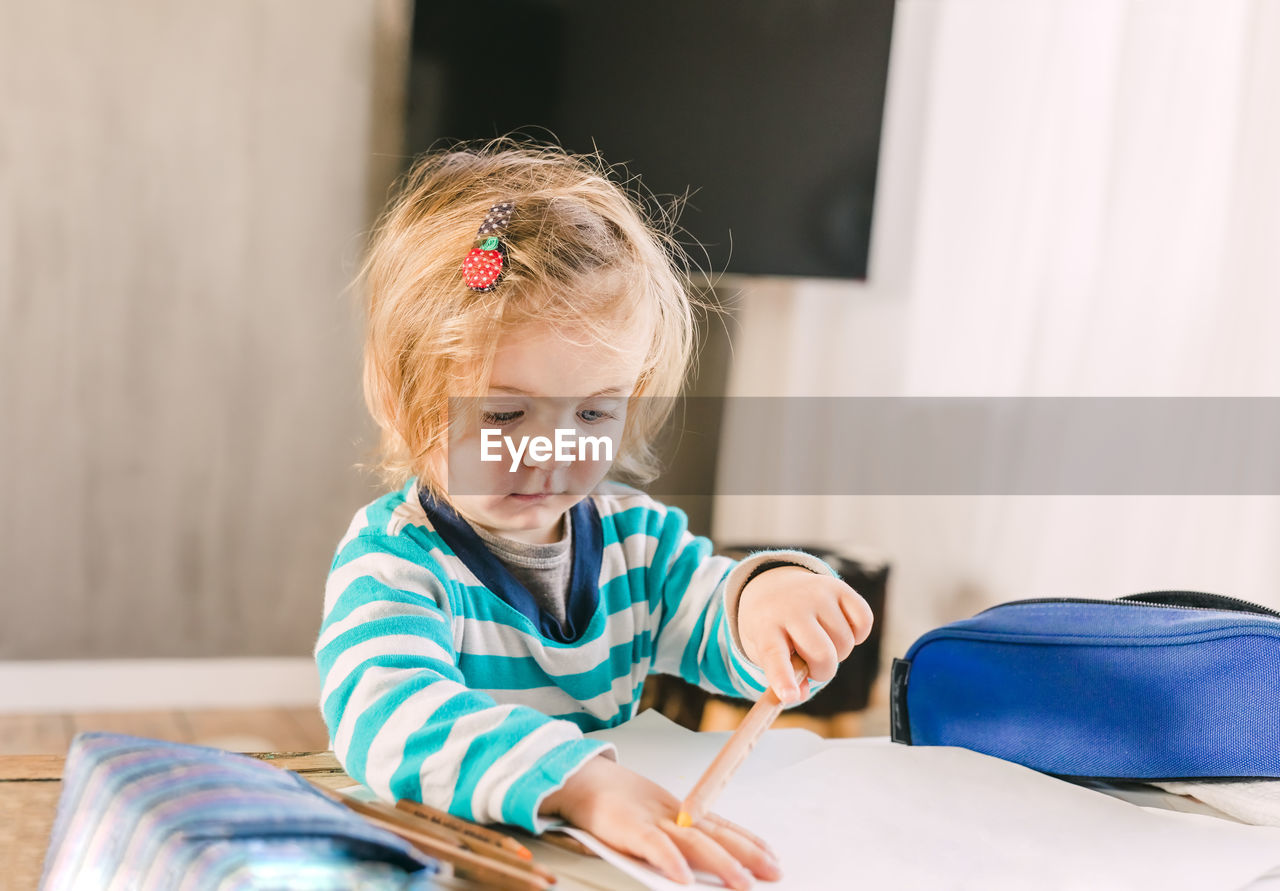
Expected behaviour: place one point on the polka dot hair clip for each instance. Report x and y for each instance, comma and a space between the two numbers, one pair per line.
484, 263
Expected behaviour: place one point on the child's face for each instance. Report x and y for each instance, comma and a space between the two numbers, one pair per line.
544, 379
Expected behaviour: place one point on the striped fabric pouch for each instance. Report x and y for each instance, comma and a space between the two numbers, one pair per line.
140, 814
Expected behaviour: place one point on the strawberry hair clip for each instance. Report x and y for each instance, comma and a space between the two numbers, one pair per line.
484, 263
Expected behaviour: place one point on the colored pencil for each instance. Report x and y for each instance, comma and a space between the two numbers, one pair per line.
471, 843
735, 751
465, 827
559, 840
567, 842
489, 871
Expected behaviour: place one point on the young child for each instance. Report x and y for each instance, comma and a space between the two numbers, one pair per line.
483, 616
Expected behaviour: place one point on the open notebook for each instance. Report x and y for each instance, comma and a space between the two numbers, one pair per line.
875, 814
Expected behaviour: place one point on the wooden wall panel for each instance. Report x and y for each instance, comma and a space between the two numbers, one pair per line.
183, 193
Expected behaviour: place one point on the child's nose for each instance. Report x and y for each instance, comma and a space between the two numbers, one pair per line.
544, 461
547, 452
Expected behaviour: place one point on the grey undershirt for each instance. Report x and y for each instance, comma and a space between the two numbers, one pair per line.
544, 569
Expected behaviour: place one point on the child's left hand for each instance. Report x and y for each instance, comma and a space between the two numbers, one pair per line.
789, 609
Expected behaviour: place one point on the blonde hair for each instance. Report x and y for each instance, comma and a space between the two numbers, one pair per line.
581, 252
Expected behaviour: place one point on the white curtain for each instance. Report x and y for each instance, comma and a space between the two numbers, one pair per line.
1075, 198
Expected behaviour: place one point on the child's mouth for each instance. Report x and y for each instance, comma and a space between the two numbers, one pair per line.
536, 496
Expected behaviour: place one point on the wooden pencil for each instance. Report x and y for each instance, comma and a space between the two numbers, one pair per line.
735, 751
489, 871
567, 842
411, 821
464, 827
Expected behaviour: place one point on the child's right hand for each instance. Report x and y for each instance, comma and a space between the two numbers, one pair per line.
638, 817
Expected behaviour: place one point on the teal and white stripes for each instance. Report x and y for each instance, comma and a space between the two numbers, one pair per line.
435, 688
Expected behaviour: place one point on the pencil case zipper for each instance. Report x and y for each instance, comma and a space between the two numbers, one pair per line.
1161, 600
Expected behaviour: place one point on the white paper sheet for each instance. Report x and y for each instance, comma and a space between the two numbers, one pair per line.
880, 815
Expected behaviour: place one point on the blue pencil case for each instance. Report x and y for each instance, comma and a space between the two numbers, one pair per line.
1159, 686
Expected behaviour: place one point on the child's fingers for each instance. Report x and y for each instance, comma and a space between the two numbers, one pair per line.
814, 646
775, 659
858, 612
743, 847
659, 850
837, 626
717, 820
706, 854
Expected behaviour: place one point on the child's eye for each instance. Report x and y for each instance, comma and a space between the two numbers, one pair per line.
594, 415
498, 418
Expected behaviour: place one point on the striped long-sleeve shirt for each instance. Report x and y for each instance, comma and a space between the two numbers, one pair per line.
442, 681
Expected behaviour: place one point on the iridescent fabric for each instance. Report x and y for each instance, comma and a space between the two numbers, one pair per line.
139, 814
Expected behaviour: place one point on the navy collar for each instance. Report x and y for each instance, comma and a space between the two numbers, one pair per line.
584, 577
